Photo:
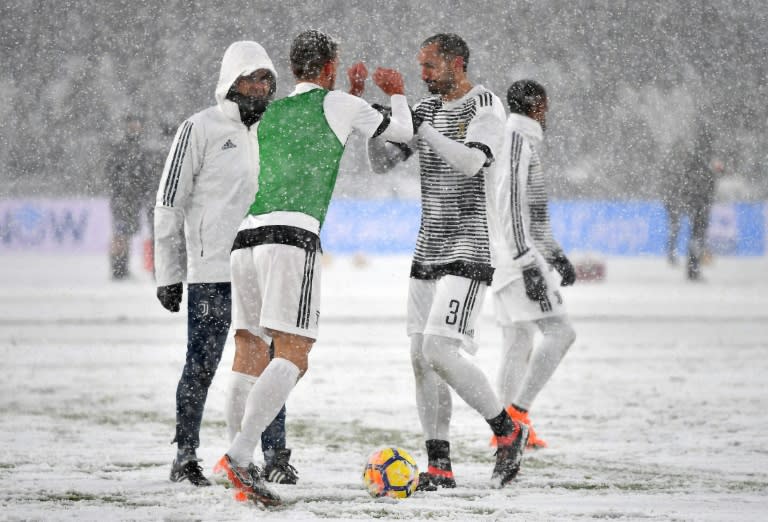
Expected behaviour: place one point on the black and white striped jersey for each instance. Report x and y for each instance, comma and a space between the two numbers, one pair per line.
453, 234
540, 226
518, 215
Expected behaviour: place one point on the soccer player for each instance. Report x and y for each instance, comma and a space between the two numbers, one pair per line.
458, 135
207, 184
275, 260
525, 253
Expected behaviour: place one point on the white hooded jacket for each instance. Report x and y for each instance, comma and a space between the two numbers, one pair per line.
518, 218
209, 179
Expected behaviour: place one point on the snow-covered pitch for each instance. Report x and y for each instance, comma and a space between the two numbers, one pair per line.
658, 412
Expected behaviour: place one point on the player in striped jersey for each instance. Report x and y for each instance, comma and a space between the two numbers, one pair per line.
458, 135
524, 251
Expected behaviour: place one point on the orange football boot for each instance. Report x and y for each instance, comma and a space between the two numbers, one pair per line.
534, 442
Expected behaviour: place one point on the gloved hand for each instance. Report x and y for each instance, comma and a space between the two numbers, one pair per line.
170, 296
405, 149
535, 284
565, 268
357, 75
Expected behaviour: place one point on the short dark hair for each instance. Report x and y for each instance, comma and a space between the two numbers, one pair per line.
524, 95
310, 51
450, 45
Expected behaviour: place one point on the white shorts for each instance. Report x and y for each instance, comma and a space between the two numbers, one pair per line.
448, 306
276, 287
511, 304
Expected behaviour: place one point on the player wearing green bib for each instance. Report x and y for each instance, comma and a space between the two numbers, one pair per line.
275, 265
299, 162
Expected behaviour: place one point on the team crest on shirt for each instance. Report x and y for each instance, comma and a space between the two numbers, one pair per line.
461, 130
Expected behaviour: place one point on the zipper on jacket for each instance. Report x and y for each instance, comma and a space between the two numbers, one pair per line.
202, 249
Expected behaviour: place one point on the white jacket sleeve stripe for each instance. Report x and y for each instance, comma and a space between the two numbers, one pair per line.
540, 228
172, 182
518, 229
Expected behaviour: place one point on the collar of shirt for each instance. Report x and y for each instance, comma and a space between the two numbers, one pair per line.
474, 91
528, 127
303, 87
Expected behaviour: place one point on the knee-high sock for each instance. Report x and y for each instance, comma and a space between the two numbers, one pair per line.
266, 398
442, 354
517, 344
558, 337
239, 386
433, 396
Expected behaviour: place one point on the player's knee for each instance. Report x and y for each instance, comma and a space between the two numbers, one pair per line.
251, 353
563, 332
436, 349
294, 349
569, 335
198, 375
417, 354
303, 369
302, 363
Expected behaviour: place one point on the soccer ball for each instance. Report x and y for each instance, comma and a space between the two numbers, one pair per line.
391, 472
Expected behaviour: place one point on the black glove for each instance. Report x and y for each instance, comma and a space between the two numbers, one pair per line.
565, 268
170, 296
535, 285
404, 149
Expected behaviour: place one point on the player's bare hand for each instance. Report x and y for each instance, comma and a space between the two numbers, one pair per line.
357, 75
389, 80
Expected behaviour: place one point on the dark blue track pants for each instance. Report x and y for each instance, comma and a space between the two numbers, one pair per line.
209, 314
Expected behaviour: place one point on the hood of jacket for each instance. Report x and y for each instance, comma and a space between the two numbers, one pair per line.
239, 59
528, 127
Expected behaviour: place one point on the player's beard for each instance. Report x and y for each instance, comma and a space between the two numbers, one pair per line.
440, 86
433, 87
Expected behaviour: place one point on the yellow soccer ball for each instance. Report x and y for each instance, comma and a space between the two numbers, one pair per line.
391, 472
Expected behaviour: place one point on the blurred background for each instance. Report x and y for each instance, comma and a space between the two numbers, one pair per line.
628, 81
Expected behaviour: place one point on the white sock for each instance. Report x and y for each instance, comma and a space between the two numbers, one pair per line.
266, 398
433, 396
516, 347
558, 337
468, 380
239, 386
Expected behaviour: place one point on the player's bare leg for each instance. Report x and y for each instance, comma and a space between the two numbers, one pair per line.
251, 357
293, 348
267, 396
251, 353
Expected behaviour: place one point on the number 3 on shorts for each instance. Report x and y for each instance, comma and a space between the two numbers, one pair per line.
453, 310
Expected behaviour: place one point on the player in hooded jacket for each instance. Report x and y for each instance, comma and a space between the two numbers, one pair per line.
208, 182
